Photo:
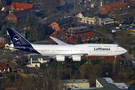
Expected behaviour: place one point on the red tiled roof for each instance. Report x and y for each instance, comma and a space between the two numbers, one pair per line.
58, 34
120, 4
117, 4
3, 66
84, 36
125, 3
18, 6
21, 6
7, 7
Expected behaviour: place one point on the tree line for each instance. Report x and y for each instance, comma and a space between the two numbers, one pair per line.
54, 71
35, 31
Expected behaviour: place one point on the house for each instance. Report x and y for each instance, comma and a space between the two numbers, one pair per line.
115, 29
87, 18
75, 83
120, 5
131, 28
6, 8
106, 83
3, 68
36, 60
61, 24
105, 19
77, 30
59, 34
17, 6
88, 36
16, 16
3, 2
96, 19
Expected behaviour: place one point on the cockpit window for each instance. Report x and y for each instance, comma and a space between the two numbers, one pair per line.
118, 46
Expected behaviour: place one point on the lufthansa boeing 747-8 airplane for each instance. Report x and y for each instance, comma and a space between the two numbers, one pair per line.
63, 49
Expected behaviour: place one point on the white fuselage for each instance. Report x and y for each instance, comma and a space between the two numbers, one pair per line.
80, 49
63, 50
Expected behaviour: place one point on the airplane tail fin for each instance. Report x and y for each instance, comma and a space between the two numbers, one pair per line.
19, 41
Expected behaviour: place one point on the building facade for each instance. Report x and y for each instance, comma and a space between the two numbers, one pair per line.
17, 6
122, 5
61, 24
36, 60
105, 83
77, 30
95, 20
4, 68
75, 83
85, 37
16, 16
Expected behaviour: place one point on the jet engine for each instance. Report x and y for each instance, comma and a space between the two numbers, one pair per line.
60, 58
76, 58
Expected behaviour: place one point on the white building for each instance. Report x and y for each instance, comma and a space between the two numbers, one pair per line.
75, 83
106, 84
36, 60
87, 18
115, 29
107, 21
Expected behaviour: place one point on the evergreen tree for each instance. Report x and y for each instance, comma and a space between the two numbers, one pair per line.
79, 40
41, 32
31, 21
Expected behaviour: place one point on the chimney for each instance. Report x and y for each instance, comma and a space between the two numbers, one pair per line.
101, 4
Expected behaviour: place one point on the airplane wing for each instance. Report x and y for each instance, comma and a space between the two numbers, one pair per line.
58, 41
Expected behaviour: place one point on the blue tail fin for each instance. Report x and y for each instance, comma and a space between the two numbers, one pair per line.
17, 39
20, 42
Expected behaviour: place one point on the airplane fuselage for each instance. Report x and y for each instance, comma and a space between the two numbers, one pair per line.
63, 49
80, 49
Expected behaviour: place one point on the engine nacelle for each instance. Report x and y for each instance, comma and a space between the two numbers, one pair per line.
76, 58
60, 58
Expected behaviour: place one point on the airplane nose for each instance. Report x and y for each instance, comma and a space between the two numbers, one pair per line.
125, 50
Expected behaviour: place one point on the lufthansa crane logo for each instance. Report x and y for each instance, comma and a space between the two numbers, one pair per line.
17, 39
